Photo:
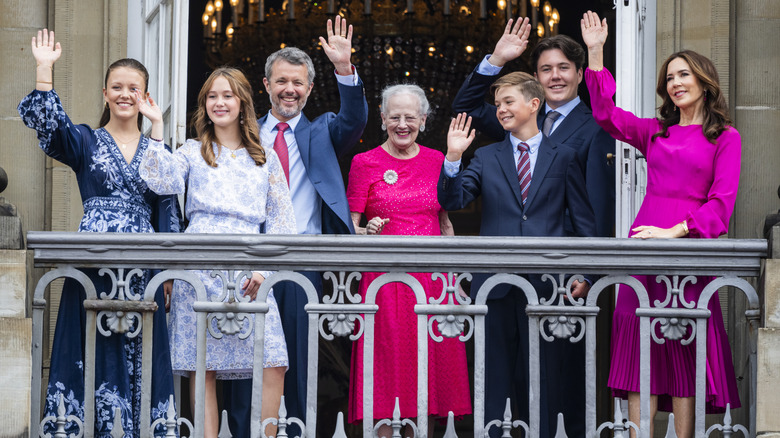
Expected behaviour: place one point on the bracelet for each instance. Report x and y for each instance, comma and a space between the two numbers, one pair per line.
44, 82
685, 227
155, 139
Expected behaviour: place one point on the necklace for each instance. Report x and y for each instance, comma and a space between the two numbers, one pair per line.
232, 151
122, 143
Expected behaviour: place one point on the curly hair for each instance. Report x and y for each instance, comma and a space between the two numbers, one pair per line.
716, 112
250, 133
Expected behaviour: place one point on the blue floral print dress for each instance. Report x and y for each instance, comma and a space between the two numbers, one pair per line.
236, 196
115, 199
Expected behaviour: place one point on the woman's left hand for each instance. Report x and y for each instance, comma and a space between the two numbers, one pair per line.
251, 286
651, 232
376, 225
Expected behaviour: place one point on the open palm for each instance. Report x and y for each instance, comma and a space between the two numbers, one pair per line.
594, 32
45, 51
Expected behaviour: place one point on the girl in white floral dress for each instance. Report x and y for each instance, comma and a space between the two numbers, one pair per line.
233, 185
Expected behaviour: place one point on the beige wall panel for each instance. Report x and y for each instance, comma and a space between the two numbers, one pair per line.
757, 63
18, 67
24, 13
758, 8
760, 176
696, 29
25, 164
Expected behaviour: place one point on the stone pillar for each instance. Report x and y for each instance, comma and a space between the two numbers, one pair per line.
768, 391
16, 329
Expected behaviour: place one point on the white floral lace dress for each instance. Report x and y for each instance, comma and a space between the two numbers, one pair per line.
236, 196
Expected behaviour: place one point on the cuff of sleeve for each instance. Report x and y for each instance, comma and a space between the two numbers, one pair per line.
487, 69
265, 274
451, 168
349, 80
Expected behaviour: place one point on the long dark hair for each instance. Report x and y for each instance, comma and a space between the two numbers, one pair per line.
129, 63
250, 133
716, 112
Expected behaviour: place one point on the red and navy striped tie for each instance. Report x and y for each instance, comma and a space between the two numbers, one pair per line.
524, 170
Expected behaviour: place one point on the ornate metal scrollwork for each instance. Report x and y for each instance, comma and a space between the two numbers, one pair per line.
674, 291
451, 325
674, 329
562, 326
60, 420
170, 421
341, 324
230, 323
396, 423
506, 425
120, 322
282, 423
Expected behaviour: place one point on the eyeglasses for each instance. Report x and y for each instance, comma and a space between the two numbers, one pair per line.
410, 120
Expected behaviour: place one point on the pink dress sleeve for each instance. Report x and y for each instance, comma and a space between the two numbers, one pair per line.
358, 184
620, 124
711, 219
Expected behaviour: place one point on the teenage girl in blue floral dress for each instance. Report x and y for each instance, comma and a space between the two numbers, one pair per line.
115, 199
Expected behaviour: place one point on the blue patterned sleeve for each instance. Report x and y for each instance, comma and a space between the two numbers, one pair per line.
164, 172
166, 213
57, 136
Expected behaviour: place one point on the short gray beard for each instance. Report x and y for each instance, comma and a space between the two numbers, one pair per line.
288, 113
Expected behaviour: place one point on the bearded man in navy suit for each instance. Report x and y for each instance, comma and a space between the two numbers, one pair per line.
316, 187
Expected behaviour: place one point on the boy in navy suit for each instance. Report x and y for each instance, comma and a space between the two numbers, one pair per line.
527, 182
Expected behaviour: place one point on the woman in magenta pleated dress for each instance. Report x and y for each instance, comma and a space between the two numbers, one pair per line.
394, 186
693, 161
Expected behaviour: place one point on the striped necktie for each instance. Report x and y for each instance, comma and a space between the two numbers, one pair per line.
524, 170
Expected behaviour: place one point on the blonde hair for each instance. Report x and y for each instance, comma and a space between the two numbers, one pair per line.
250, 133
529, 87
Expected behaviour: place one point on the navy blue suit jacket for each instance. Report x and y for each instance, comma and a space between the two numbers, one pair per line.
578, 131
321, 142
557, 185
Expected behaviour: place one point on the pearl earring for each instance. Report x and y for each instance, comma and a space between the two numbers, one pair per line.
383, 127
422, 128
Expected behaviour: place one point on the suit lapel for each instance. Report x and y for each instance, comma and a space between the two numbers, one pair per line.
570, 124
302, 138
506, 160
547, 152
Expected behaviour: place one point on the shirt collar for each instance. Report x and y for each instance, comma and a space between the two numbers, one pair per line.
564, 109
273, 121
533, 142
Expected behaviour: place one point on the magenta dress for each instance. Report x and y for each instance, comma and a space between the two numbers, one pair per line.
689, 179
413, 209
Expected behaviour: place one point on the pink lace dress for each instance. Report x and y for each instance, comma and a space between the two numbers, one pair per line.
411, 205
689, 179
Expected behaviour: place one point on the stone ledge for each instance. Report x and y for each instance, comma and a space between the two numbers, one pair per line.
15, 376
768, 381
13, 283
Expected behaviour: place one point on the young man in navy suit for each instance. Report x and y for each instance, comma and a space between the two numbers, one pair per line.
557, 62
527, 183
312, 149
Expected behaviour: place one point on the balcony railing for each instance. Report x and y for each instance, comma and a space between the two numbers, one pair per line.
615, 260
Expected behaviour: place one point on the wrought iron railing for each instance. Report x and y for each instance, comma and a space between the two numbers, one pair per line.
340, 257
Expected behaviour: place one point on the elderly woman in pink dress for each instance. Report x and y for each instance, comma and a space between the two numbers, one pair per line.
394, 186
693, 160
